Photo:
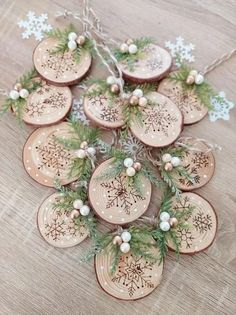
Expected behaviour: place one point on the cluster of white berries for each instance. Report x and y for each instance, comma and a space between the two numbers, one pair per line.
194, 77
18, 92
79, 208
167, 222
170, 161
129, 47
75, 40
114, 84
123, 241
85, 151
131, 167
137, 98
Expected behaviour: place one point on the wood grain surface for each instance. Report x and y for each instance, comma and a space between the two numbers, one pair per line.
38, 279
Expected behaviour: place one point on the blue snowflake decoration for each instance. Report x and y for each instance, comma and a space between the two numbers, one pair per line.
181, 50
221, 107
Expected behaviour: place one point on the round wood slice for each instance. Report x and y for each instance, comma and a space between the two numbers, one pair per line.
134, 278
56, 227
199, 163
60, 69
161, 123
47, 105
191, 107
113, 201
202, 224
45, 159
154, 64
101, 112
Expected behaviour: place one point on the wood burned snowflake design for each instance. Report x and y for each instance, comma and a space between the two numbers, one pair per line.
114, 200
54, 156
35, 109
134, 274
120, 195
56, 227
201, 224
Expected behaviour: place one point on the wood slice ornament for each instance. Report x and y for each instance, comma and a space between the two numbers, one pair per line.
47, 105
45, 158
154, 64
56, 227
200, 164
133, 279
202, 223
161, 123
113, 200
103, 112
60, 69
189, 104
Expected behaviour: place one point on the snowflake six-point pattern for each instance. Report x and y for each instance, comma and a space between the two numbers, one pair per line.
133, 146
56, 228
202, 222
154, 64
98, 100
200, 159
109, 114
221, 107
181, 49
185, 237
77, 111
56, 100
120, 194
74, 230
35, 109
133, 274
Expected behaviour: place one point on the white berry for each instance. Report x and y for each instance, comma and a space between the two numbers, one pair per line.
199, 79
143, 101
125, 248
72, 45
164, 226
72, 36
24, 93
164, 216
130, 171
126, 236
81, 154
128, 162
124, 48
84, 210
14, 95
91, 151
133, 49
111, 80
138, 92
175, 161
166, 157
77, 204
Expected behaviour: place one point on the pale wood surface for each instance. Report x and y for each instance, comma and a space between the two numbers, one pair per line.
38, 279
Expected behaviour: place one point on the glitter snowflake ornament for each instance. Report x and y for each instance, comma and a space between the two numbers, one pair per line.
181, 50
78, 111
34, 25
221, 107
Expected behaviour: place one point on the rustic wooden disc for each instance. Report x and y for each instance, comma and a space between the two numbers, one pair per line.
202, 224
45, 159
60, 69
161, 123
57, 228
102, 113
113, 201
191, 107
199, 163
153, 65
134, 278
47, 105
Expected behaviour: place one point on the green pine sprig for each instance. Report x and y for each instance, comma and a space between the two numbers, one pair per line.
29, 83
130, 59
204, 91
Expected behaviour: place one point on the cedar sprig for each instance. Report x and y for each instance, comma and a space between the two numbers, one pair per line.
65, 204
130, 59
62, 44
29, 83
203, 91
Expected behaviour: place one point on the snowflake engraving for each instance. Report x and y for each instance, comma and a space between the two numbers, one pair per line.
132, 145
120, 194
158, 119
183, 204
54, 156
154, 64
78, 111
133, 274
56, 228
185, 237
98, 100
74, 230
35, 109
193, 172
109, 114
221, 107
200, 159
202, 222
181, 49
56, 100
34, 25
